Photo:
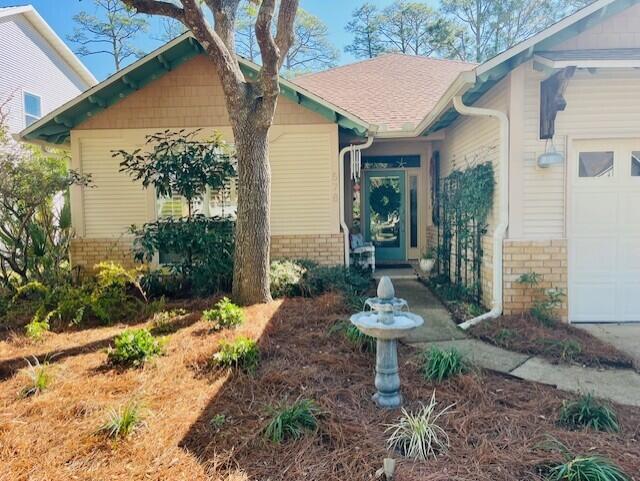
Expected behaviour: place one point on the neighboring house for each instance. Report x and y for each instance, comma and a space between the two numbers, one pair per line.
575, 222
38, 72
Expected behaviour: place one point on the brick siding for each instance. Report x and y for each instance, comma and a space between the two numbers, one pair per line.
547, 258
325, 249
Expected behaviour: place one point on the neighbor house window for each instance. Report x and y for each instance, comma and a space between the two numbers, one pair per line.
32, 108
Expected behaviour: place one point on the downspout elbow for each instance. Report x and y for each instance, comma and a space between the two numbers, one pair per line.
500, 232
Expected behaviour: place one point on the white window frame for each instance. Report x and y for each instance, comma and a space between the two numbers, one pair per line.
24, 107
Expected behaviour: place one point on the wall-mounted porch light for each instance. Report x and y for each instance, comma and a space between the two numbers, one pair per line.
551, 156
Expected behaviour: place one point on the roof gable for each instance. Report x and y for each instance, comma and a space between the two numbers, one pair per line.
55, 127
488, 74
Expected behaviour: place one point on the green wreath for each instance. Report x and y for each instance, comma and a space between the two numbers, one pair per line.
384, 200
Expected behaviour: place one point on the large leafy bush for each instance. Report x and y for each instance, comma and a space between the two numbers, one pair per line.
201, 253
196, 250
307, 278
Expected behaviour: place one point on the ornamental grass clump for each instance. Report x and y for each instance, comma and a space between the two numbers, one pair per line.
225, 314
587, 412
419, 435
440, 365
39, 378
123, 421
242, 353
359, 339
292, 421
134, 347
587, 468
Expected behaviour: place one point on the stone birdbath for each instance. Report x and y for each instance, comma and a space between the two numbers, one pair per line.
387, 320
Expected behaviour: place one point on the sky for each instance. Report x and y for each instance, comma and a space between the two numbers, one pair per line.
59, 15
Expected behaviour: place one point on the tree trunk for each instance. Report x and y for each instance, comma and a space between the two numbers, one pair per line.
253, 229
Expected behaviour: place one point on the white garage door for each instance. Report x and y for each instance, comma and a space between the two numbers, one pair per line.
604, 231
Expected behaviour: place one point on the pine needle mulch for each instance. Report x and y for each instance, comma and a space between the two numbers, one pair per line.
497, 428
559, 342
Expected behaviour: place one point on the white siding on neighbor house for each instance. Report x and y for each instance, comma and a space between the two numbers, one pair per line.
28, 63
600, 105
304, 161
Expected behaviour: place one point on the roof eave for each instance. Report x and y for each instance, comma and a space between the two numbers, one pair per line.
492, 71
59, 124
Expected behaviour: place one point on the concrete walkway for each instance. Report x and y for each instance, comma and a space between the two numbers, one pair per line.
619, 385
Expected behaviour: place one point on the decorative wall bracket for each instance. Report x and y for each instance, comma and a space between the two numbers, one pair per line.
552, 100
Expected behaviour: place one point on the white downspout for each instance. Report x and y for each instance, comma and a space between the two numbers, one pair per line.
343, 223
500, 231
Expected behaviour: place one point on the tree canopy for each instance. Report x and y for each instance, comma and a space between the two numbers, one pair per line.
112, 31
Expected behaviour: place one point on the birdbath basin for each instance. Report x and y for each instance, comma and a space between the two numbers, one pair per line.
387, 320
404, 323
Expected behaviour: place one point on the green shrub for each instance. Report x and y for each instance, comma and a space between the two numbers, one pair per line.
217, 421
440, 365
39, 378
285, 277
37, 328
31, 291
225, 314
134, 347
197, 251
587, 468
419, 436
123, 421
355, 337
587, 412
292, 421
163, 320
307, 278
546, 302
242, 353
567, 349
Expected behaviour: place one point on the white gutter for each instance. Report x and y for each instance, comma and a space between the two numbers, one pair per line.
341, 166
500, 231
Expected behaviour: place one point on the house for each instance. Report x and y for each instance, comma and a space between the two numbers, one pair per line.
38, 72
363, 147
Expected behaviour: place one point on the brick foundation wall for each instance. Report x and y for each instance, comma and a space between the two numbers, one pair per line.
547, 258
325, 249
86, 253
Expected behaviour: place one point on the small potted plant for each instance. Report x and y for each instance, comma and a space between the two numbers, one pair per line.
428, 261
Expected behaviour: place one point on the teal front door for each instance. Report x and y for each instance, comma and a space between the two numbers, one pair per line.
384, 209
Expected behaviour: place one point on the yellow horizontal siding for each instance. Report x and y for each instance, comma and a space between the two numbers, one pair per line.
304, 162
113, 202
604, 104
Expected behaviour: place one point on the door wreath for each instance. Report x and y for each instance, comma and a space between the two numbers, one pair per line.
384, 200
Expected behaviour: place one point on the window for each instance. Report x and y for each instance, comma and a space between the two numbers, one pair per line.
32, 108
595, 164
635, 163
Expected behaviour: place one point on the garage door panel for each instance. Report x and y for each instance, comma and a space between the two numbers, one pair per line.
604, 233
629, 257
629, 301
590, 307
629, 210
595, 212
586, 264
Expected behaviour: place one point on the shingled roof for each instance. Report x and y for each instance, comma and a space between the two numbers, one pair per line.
394, 91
